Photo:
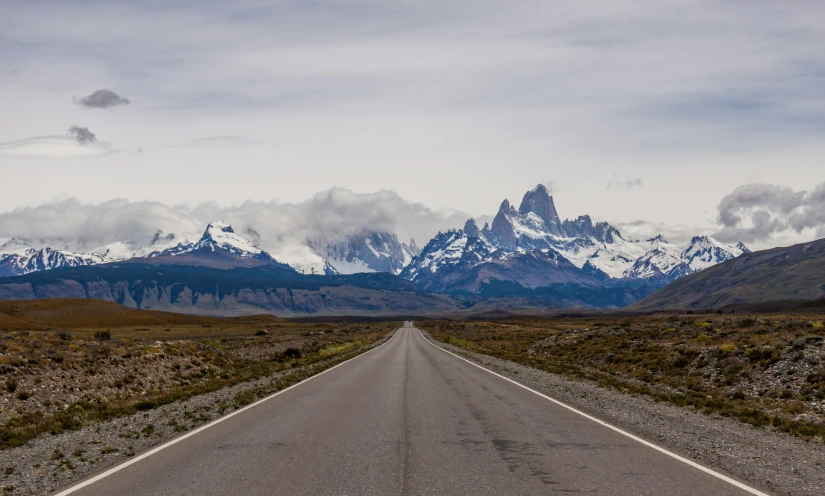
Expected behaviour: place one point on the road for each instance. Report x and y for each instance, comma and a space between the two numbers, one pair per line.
407, 419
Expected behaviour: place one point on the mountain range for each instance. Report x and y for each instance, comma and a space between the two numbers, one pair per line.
578, 248
525, 254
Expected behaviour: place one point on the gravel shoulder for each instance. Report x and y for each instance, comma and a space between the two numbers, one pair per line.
773, 462
52, 462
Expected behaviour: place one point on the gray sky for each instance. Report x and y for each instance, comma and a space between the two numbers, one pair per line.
643, 113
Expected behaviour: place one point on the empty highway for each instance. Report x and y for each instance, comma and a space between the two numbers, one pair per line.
407, 419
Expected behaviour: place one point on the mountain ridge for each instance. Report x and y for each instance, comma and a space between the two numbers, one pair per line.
795, 272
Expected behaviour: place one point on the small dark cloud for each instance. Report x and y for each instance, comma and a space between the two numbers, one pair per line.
626, 183
102, 99
82, 135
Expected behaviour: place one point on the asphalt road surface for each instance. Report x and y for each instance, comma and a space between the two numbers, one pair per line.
407, 419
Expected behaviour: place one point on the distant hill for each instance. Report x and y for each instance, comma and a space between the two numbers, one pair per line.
790, 273
74, 313
246, 290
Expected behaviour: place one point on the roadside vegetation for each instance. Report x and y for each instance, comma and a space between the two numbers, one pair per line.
57, 380
765, 370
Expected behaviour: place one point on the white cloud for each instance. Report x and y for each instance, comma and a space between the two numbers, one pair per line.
457, 104
281, 226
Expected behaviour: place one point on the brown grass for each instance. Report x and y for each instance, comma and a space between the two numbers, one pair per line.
765, 370
64, 367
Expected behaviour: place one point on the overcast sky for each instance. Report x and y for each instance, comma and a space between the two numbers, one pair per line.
679, 116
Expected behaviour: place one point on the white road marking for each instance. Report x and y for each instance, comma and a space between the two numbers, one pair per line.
151, 452
620, 431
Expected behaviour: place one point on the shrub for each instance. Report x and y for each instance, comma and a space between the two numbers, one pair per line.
292, 353
11, 385
103, 335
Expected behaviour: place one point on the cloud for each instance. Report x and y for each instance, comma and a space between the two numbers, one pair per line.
102, 99
757, 212
626, 183
209, 141
82, 135
550, 185
280, 226
646, 229
53, 147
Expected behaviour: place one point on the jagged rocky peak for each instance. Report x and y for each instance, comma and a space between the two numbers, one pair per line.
657, 239
471, 228
583, 227
221, 235
539, 202
742, 247
506, 208
502, 227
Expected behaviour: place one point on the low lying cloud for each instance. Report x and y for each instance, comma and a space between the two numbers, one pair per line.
102, 99
82, 135
626, 183
73, 225
756, 212
674, 233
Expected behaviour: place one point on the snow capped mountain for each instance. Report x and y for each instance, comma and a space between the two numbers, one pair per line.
124, 250
33, 260
15, 246
537, 226
704, 251
449, 250
221, 236
365, 251
672, 262
303, 259
595, 248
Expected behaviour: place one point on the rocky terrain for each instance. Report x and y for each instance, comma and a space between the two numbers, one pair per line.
53, 461
763, 370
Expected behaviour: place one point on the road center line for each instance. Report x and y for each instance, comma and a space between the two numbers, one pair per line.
616, 429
